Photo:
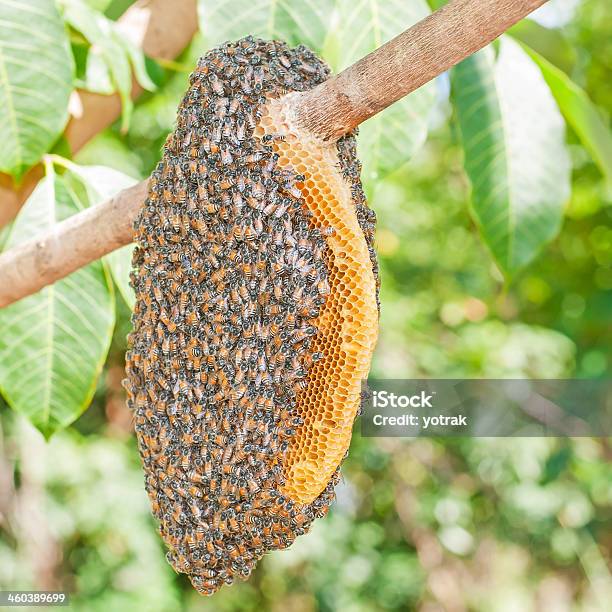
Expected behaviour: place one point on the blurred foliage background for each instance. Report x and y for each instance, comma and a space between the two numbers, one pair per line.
425, 524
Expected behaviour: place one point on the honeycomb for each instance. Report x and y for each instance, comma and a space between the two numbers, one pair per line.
348, 322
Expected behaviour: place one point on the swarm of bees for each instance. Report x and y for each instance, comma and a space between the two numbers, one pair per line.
230, 275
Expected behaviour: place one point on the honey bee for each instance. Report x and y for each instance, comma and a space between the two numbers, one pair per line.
170, 324
254, 158
195, 476
226, 157
216, 84
178, 516
252, 485
191, 318
195, 491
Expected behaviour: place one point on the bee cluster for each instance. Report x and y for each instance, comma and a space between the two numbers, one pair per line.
230, 276
366, 217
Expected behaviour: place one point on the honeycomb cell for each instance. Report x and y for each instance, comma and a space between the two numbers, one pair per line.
348, 321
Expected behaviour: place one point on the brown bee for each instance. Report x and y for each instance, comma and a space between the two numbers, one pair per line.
195, 491
237, 232
171, 325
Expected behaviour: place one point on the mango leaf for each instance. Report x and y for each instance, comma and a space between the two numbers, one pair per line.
98, 31
341, 31
97, 77
54, 343
36, 74
293, 22
388, 140
515, 155
103, 183
584, 117
115, 51
99, 5
550, 43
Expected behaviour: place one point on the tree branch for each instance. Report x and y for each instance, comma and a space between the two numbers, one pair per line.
162, 30
328, 111
402, 65
69, 245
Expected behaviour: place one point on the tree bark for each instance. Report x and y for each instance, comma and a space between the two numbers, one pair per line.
162, 30
328, 111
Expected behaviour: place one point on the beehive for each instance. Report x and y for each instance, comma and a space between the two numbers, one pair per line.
255, 316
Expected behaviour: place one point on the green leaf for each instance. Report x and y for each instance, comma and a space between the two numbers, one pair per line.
99, 5
103, 183
294, 22
137, 59
100, 33
110, 55
342, 32
584, 117
97, 76
36, 74
107, 39
388, 140
54, 343
548, 42
515, 155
